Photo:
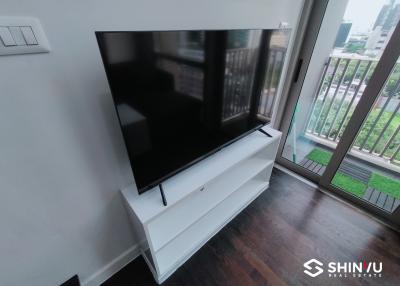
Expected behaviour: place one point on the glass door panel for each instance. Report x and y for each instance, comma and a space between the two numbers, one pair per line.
339, 71
370, 170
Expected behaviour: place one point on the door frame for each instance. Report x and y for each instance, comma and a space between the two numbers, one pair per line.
308, 40
377, 81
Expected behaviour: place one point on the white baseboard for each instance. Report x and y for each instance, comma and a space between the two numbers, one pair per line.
112, 267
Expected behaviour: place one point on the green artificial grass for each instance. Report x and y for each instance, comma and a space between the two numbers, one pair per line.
320, 156
379, 182
349, 184
385, 184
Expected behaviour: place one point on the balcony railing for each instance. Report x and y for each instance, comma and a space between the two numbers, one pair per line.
341, 86
239, 77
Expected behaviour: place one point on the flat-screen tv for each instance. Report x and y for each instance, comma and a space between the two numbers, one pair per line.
183, 95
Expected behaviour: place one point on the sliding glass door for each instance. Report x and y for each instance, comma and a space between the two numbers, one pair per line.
341, 127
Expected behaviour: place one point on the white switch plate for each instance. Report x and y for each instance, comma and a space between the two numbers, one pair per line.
6, 37
42, 45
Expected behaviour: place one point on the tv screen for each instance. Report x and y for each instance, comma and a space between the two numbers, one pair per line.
182, 95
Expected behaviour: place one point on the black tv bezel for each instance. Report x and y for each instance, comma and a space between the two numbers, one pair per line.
191, 163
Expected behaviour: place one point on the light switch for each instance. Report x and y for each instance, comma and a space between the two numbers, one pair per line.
29, 36
22, 35
17, 35
6, 37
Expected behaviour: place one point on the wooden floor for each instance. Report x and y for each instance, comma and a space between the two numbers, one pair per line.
270, 240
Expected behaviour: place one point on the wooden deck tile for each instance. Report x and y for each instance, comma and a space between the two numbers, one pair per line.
302, 162
381, 200
374, 197
322, 170
389, 204
308, 164
317, 168
395, 204
368, 194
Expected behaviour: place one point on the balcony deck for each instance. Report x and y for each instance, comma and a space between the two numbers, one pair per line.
375, 197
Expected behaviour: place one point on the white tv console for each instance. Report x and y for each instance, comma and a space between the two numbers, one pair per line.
201, 200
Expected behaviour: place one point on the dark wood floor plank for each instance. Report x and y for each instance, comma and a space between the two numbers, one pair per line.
268, 242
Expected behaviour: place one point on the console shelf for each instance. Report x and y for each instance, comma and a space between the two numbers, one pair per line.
201, 200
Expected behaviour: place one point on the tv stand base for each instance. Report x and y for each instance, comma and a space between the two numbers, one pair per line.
201, 200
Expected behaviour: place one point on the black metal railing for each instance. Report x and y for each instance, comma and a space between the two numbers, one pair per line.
342, 84
239, 77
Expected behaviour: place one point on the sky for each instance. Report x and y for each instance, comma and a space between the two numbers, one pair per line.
363, 13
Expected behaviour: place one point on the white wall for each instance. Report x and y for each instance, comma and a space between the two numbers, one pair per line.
62, 159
